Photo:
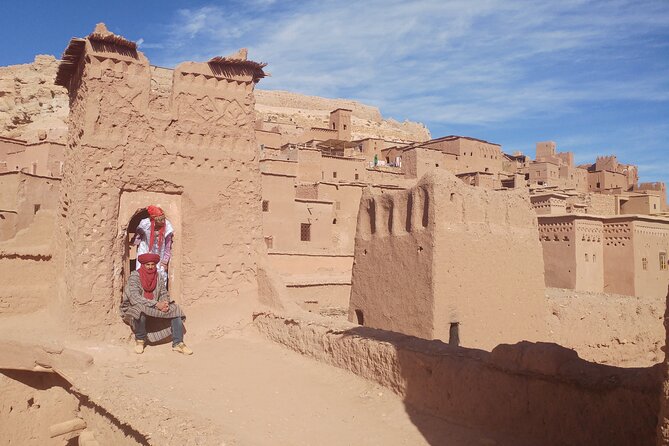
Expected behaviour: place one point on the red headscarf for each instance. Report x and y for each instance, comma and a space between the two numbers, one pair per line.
149, 279
155, 211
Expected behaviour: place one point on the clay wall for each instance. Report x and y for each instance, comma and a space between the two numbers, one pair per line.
601, 204
548, 205
279, 167
589, 255
449, 273
418, 161
603, 179
392, 283
390, 176
641, 204
545, 149
651, 257
268, 139
659, 187
544, 173
318, 215
618, 252
310, 165
337, 169
279, 193
550, 396
478, 156
26, 267
340, 120
319, 134
559, 254
662, 436
346, 201
25, 194
123, 140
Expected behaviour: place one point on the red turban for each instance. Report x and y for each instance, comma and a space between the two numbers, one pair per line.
154, 211
148, 257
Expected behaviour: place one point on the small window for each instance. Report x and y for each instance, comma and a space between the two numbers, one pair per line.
337, 205
644, 263
454, 334
334, 221
594, 258
357, 176
305, 232
597, 185
344, 126
36, 208
334, 174
663, 261
265, 206
334, 126
360, 317
587, 259
269, 242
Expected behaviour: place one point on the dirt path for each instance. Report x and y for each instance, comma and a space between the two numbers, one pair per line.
259, 393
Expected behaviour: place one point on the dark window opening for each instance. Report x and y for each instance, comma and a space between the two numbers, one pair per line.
265, 206
597, 185
357, 176
305, 232
334, 221
334, 174
454, 334
360, 317
344, 126
334, 126
36, 208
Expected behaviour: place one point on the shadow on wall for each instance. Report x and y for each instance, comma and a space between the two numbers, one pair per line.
523, 393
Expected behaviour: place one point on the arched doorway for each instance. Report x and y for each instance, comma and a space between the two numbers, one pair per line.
132, 209
130, 254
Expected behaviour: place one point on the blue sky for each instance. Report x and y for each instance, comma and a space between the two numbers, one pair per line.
591, 75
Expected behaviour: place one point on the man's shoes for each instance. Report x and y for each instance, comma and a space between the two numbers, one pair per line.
139, 346
182, 348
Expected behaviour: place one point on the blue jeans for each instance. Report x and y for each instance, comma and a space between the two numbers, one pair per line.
177, 329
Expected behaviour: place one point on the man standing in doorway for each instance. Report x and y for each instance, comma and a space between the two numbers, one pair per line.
154, 235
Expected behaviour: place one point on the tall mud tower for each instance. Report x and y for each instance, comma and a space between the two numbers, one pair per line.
140, 135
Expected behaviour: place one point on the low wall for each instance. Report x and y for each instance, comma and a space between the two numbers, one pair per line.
539, 391
318, 296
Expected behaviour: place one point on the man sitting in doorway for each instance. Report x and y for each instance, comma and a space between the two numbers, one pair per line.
146, 296
154, 234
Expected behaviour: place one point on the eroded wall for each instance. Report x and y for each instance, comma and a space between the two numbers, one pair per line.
443, 254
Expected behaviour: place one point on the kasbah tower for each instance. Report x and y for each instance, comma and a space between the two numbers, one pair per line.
191, 149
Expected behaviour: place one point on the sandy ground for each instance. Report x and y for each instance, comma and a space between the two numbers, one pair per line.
240, 389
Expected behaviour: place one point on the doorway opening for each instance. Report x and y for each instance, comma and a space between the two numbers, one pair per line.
130, 254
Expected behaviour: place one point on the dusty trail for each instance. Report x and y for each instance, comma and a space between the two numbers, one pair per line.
259, 393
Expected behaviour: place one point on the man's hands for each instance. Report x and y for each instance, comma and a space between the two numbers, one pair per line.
163, 306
